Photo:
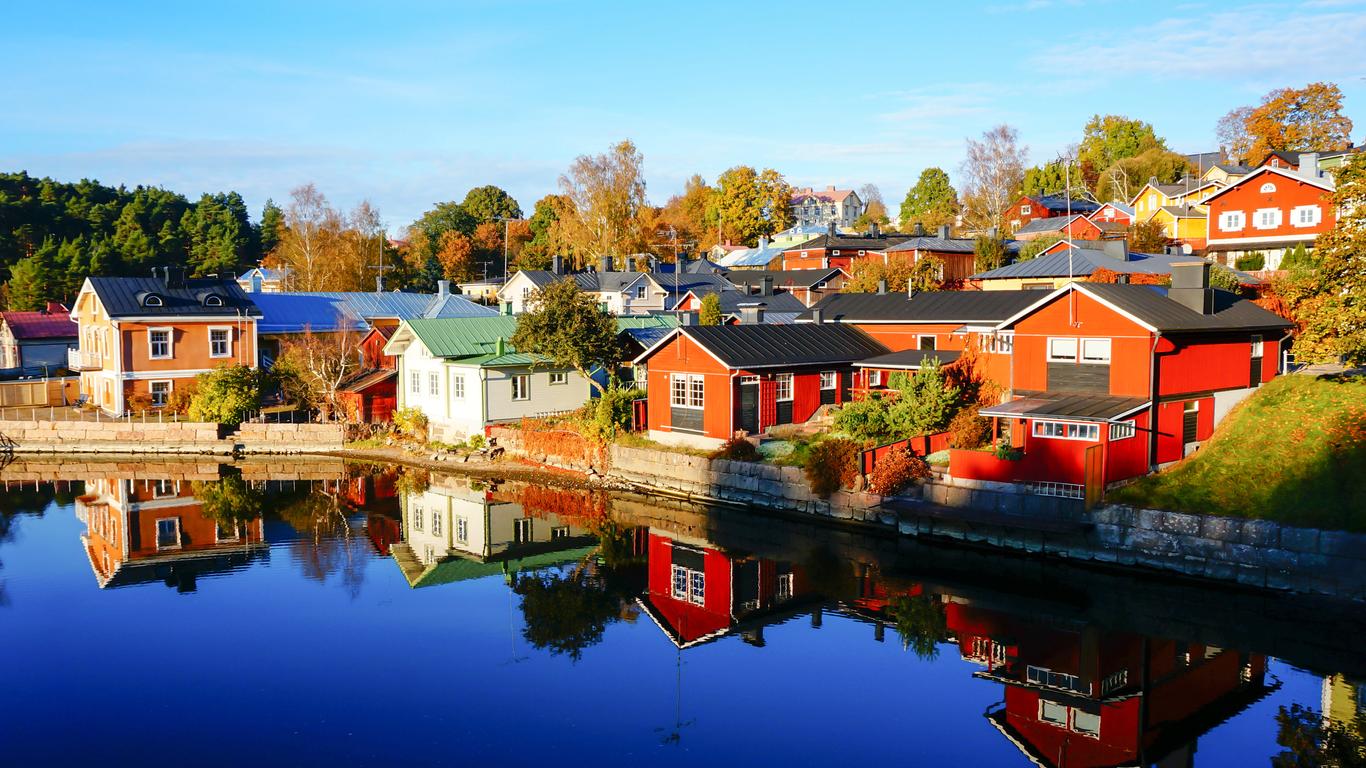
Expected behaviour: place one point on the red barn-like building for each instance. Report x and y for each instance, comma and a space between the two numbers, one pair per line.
371, 394
1270, 210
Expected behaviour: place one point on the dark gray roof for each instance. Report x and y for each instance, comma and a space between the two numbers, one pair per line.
782, 278
1059, 203
124, 296
913, 359
984, 307
732, 300
940, 244
773, 346
1150, 304
606, 282
1084, 261
1068, 405
853, 242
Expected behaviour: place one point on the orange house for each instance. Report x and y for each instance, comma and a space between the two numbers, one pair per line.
141, 337
1270, 210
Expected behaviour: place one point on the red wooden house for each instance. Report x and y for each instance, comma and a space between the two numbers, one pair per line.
697, 593
837, 251
1113, 213
946, 322
1270, 210
1074, 226
706, 383
1124, 378
371, 394
1031, 207
956, 255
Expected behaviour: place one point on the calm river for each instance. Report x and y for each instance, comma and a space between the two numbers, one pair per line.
310, 613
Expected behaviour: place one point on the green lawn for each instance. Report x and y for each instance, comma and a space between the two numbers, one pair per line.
1295, 453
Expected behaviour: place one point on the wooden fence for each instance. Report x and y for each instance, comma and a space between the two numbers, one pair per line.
922, 445
35, 392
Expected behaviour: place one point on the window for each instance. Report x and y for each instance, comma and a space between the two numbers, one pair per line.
1305, 215
1231, 221
1095, 350
433, 383
458, 386
999, 343
159, 343
1053, 712
1062, 350
1267, 188
1122, 430
526, 293
559, 532
462, 529
213, 300
521, 387
1026, 210
160, 391
163, 488
559, 378
1066, 430
521, 530
226, 533
829, 380
415, 382
417, 518
927, 342
1256, 345
835, 252
152, 300
1191, 406
168, 533
749, 379
784, 381
687, 391
784, 587
1085, 723
1267, 218
640, 292
436, 523
220, 342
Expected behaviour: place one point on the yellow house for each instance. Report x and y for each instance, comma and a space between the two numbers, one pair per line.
1186, 224
1224, 174
1153, 197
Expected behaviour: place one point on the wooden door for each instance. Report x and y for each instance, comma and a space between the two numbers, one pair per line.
1095, 475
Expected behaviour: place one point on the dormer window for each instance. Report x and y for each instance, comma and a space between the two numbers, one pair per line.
153, 300
213, 300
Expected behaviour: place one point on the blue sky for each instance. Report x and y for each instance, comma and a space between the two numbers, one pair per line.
410, 103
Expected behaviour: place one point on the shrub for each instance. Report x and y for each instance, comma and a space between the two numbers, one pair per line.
181, 397
1007, 452
864, 419
831, 465
1250, 263
139, 402
227, 395
475, 442
968, 430
411, 422
610, 414
896, 470
737, 449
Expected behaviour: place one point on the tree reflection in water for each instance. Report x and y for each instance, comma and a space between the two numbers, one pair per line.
327, 543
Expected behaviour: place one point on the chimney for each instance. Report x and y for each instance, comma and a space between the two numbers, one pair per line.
882, 286
1190, 286
605, 264
443, 288
175, 277
557, 264
830, 230
1309, 164
766, 286
874, 230
751, 314
830, 188
1116, 249
763, 242
943, 231
500, 347
919, 230
817, 315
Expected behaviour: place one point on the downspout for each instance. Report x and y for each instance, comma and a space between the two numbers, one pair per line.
731, 401
1152, 409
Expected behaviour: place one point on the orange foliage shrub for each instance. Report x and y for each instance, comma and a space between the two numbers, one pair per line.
737, 448
541, 439
968, 430
831, 465
584, 508
897, 470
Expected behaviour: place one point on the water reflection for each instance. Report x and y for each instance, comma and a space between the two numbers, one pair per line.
1073, 667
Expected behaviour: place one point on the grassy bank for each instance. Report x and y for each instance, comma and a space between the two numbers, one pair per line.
1294, 453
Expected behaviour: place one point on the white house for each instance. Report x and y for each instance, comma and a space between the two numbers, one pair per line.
619, 293
464, 375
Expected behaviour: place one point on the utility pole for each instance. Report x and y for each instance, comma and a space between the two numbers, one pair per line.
506, 220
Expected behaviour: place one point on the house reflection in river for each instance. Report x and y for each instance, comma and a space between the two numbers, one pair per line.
147, 530
1079, 695
458, 528
697, 593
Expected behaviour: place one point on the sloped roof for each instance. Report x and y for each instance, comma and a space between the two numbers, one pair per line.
940, 244
1052, 224
1183, 212
967, 307
475, 339
326, 311
1066, 405
1124, 208
1084, 261
824, 195
1059, 203
755, 257
782, 278
363, 380
122, 297
1150, 304
773, 346
733, 300
267, 273
592, 282
40, 325
910, 359
866, 242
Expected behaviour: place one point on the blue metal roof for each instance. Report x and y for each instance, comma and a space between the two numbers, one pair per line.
333, 311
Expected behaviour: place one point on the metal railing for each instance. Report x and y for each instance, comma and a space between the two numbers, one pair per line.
81, 360
1060, 490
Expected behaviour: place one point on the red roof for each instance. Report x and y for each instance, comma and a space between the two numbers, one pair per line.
829, 194
40, 325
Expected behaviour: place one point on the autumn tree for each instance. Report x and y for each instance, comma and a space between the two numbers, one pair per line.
710, 311
1108, 139
547, 229
753, 204
311, 226
1307, 119
608, 196
323, 362
989, 253
993, 173
1123, 179
931, 202
1147, 237
566, 326
455, 253
1333, 315
694, 215
874, 208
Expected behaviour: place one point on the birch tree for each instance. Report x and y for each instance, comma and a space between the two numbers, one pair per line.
992, 176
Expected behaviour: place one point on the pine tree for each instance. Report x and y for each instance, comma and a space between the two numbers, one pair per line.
272, 221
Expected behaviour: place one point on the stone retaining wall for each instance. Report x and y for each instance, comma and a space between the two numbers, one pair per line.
137, 437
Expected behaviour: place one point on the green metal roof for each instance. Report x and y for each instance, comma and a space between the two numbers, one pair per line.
477, 337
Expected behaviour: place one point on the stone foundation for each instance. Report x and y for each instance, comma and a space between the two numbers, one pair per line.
134, 436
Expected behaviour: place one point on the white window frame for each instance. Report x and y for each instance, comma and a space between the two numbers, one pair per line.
1272, 215
462, 529
1054, 357
1232, 221
1122, 430
1058, 709
434, 383
521, 387
170, 343
1095, 351
175, 521
1297, 215
780, 380
151, 391
1026, 210
687, 390
830, 380
457, 386
558, 378
415, 382
1088, 432
640, 292
227, 342
522, 531
436, 522
1267, 188
219, 536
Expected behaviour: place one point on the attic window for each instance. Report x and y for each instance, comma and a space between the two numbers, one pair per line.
213, 300
152, 300
1268, 187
